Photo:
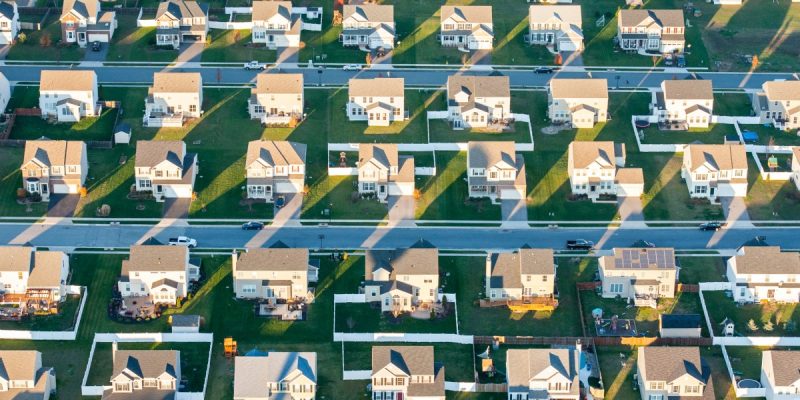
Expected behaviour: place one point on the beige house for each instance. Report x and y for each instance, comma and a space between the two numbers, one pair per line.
558, 27
406, 372
495, 170
796, 166
780, 375
181, 21
275, 375
383, 172
597, 169
38, 277
522, 274
764, 273
368, 26
68, 95
544, 373
143, 374
278, 274
54, 166
401, 279
673, 372
277, 98
641, 275
712, 171
579, 102
165, 168
159, 273
22, 376
466, 27
274, 168
274, 25
173, 98
778, 103
478, 101
684, 104
651, 31
379, 101
83, 22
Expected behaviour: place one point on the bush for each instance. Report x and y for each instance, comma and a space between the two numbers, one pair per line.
22, 193
22, 38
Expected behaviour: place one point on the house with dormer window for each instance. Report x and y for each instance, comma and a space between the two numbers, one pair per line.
764, 273
165, 168
778, 103
274, 167
275, 375
673, 373
524, 273
401, 279
478, 101
495, 170
379, 101
558, 27
582, 103
406, 373
277, 274
641, 275
277, 98
780, 375
535, 374
37, 279
143, 374
368, 26
23, 377
651, 31
686, 103
83, 22
466, 27
181, 21
597, 168
9, 22
174, 98
274, 24
54, 166
68, 95
383, 172
161, 274
712, 171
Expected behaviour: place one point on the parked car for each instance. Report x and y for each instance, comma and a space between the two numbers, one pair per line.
643, 244
681, 61
280, 201
252, 226
183, 241
579, 244
255, 66
543, 70
711, 226
352, 67
95, 46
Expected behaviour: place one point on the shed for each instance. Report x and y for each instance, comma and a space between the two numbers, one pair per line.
185, 323
679, 325
122, 133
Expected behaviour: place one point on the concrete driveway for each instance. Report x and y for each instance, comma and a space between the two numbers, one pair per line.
4, 49
62, 205
481, 59
176, 208
401, 210
630, 210
735, 211
571, 59
96, 56
289, 214
288, 55
514, 213
191, 52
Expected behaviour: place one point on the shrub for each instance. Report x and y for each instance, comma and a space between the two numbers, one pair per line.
22, 193
22, 38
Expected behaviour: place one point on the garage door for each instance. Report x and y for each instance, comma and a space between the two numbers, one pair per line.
403, 189
64, 188
567, 45
287, 187
98, 37
510, 194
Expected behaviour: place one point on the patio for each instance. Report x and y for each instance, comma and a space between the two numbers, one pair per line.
284, 311
138, 307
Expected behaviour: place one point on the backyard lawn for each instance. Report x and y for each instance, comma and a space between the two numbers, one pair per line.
715, 134
767, 135
769, 319
732, 104
63, 321
361, 317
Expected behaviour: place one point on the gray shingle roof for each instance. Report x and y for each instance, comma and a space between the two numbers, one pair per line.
150, 153
54, 152
720, 157
147, 363
264, 10
402, 261
385, 154
485, 154
7, 9
46, 272
67, 80
473, 14
370, 12
155, 258
413, 360
478, 86
376, 87
528, 363
562, 88
664, 18
767, 260
661, 363
506, 269
261, 259
19, 364
785, 366
276, 152
253, 374
782, 90
182, 9
16, 258
687, 89
278, 83
177, 82
582, 154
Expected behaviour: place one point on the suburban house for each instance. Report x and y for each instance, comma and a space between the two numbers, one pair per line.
23, 377
496, 171
406, 373
165, 168
161, 274
5, 93
778, 103
684, 104
83, 21
277, 98
68, 95
780, 375
368, 26
579, 102
143, 374
54, 167
379, 101
401, 279
278, 274
712, 171
179, 21
764, 273
544, 373
680, 325
467, 27
173, 98
478, 101
651, 31
596, 169
522, 274
796, 166
34, 279
9, 22
274, 25
275, 375
274, 167
641, 275
383, 172
673, 373
558, 27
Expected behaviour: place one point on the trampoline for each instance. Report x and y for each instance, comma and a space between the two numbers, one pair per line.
748, 384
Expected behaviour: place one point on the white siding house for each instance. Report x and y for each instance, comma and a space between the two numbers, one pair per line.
764, 273
67, 95
712, 171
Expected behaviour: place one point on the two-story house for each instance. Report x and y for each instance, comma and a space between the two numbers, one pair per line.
780, 375
495, 170
406, 373
277, 98
778, 103
39, 277
559, 27
673, 373
544, 373
273, 274
82, 22
68, 95
9, 22
379, 101
401, 279
160, 273
684, 104
274, 24
596, 168
579, 102
22, 376
174, 98
712, 171
522, 274
478, 101
383, 172
54, 166
5, 93
143, 374
466, 27
641, 275
764, 273
180, 21
796, 166
368, 26
165, 168
274, 167
276, 375
651, 31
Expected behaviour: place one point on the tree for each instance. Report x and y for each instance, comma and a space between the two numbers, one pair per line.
21, 193
22, 37
558, 60
768, 326
751, 325
236, 36
83, 191
45, 40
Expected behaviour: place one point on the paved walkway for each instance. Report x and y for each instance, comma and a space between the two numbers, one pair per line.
191, 52
288, 56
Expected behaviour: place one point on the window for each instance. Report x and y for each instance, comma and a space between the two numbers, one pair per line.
193, 108
656, 385
544, 278
615, 288
693, 389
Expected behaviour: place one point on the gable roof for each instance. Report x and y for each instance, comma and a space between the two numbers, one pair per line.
84, 8
147, 363
561, 88
7, 8
51, 153
663, 18
16, 258
413, 360
530, 363
782, 90
155, 258
20, 365
719, 157
46, 272
252, 374
177, 82
276, 152
766, 260
478, 86
67, 80
385, 154
473, 14
566, 13
639, 258
370, 12
582, 154
413, 261
273, 259
785, 366
181, 9
687, 89
485, 154
661, 363
506, 269
267, 83
376, 87
150, 153
264, 10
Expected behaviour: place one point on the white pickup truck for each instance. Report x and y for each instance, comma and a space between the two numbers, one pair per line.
183, 241
255, 66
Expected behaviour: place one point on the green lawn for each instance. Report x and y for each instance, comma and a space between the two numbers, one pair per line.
131, 43
45, 45
701, 269
784, 318
363, 318
767, 135
768, 200
235, 46
412, 130
442, 132
63, 321
732, 104
338, 194
458, 358
715, 134
746, 361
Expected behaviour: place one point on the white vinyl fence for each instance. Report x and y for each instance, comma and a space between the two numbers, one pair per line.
53, 335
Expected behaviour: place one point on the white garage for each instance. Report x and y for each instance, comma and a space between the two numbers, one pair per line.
176, 191
288, 187
65, 188
98, 37
630, 182
511, 194
401, 189
567, 45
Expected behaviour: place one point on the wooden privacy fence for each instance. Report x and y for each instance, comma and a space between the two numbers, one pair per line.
491, 387
28, 112
687, 288
588, 285
595, 340
10, 119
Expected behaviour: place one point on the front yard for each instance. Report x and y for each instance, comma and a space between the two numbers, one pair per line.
771, 200
45, 45
235, 46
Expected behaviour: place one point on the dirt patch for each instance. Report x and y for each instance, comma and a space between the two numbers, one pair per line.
777, 51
